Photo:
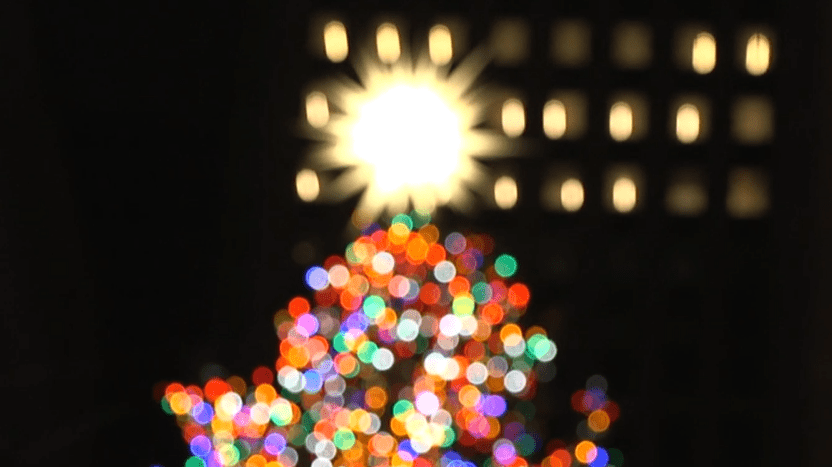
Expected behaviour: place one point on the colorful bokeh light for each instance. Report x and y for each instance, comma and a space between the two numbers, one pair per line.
408, 355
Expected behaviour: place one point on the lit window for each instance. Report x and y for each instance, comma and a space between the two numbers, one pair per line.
510, 41
572, 195
686, 194
554, 119
307, 185
624, 195
571, 43
387, 43
565, 115
317, 109
687, 123
336, 46
513, 118
747, 193
752, 120
757, 54
621, 121
505, 192
440, 45
703, 56
631, 45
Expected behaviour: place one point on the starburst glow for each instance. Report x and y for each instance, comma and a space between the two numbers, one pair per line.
406, 134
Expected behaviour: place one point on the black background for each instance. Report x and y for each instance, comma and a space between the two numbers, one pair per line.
148, 220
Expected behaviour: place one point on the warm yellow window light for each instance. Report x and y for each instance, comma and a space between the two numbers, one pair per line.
686, 198
687, 123
513, 117
440, 45
307, 185
554, 119
505, 192
317, 109
621, 121
747, 195
387, 43
336, 45
757, 54
624, 194
703, 57
572, 195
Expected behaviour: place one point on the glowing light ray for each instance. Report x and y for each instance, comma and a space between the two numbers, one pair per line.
348, 183
396, 165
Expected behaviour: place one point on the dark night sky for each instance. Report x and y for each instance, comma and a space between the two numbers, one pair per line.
147, 219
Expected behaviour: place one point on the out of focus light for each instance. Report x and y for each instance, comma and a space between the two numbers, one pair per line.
572, 195
621, 121
513, 118
630, 47
510, 41
307, 185
703, 57
757, 54
554, 119
410, 137
407, 134
586, 451
505, 192
440, 45
747, 193
687, 123
387, 43
686, 195
353, 354
571, 43
336, 45
752, 120
624, 194
317, 109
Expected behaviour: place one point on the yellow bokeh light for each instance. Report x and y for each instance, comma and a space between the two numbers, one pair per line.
505, 192
554, 119
387, 43
757, 54
317, 109
307, 185
687, 123
336, 45
572, 195
440, 44
703, 57
586, 451
621, 121
598, 421
513, 117
624, 194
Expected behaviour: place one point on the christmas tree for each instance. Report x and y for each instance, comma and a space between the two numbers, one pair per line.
408, 355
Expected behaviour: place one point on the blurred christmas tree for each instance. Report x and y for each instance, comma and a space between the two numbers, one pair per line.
408, 356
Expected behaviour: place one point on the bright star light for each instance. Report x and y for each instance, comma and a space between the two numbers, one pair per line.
410, 137
406, 134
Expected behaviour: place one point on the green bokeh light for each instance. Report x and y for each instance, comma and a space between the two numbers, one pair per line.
403, 219
373, 306
505, 265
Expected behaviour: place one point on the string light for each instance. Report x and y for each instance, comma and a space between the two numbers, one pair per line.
408, 354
